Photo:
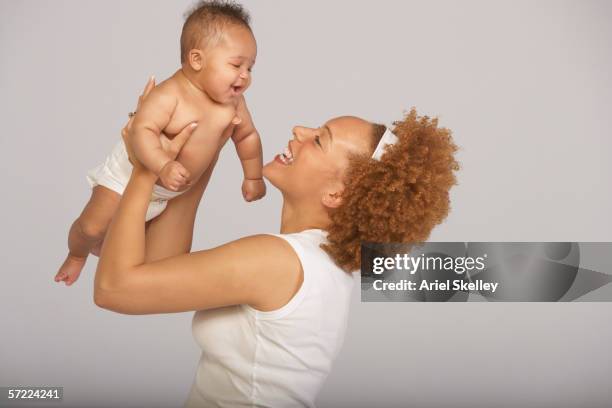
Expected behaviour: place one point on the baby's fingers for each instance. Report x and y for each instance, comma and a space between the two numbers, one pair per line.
180, 174
177, 182
183, 173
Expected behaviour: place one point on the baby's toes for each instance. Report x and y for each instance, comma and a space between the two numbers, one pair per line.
70, 269
71, 280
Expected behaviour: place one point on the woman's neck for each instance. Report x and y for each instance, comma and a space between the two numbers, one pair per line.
296, 218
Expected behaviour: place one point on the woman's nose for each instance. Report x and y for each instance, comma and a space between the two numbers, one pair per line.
299, 133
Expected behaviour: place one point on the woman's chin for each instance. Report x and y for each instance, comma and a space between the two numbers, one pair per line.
272, 172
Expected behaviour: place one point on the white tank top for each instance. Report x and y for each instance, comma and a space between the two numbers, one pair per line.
278, 358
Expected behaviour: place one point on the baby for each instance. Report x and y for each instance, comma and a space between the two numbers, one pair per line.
218, 51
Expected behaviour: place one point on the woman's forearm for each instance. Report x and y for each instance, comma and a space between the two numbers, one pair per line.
124, 245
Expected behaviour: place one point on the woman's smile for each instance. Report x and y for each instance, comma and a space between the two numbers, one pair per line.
286, 157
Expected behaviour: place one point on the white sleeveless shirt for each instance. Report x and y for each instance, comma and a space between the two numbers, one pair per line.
278, 358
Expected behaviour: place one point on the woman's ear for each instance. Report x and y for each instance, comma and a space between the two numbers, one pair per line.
332, 198
197, 60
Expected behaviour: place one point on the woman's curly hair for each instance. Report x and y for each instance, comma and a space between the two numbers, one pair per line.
400, 198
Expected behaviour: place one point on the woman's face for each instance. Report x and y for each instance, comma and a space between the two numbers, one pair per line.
315, 159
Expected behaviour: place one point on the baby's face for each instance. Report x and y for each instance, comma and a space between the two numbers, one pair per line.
227, 71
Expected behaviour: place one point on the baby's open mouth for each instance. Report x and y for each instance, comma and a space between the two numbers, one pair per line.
237, 89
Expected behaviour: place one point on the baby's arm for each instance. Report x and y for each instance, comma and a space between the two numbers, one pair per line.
248, 146
152, 118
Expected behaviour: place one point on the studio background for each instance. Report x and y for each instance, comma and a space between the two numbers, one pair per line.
524, 86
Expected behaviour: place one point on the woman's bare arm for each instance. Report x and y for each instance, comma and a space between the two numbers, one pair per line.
172, 232
261, 271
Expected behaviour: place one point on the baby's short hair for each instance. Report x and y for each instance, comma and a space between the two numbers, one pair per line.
206, 20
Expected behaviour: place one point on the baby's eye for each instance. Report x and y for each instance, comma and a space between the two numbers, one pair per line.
250, 69
317, 140
235, 65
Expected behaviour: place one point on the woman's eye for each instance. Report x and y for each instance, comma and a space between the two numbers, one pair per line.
317, 140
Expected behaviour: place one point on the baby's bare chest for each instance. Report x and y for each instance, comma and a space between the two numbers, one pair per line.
211, 119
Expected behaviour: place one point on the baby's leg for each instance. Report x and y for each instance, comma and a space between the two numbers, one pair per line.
87, 232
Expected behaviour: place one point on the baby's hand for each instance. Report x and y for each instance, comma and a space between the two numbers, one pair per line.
174, 175
253, 189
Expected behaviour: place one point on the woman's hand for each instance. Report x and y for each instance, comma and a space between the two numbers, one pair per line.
125, 132
171, 147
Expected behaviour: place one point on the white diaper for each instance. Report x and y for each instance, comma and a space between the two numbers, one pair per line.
115, 173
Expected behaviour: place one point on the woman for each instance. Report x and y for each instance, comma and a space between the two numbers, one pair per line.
272, 309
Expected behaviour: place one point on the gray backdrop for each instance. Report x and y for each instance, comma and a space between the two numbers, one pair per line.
524, 86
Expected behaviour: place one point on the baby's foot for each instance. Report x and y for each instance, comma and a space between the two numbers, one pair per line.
70, 270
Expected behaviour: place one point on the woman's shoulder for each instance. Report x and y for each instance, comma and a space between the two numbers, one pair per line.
282, 250
307, 246
302, 249
305, 243
321, 279
264, 249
